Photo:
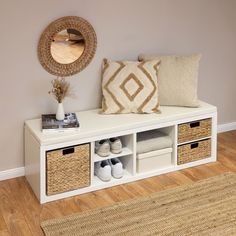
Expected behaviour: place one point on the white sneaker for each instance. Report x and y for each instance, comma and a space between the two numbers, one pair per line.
116, 145
102, 148
116, 168
102, 170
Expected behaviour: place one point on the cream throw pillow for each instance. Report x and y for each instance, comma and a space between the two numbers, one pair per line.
178, 78
130, 87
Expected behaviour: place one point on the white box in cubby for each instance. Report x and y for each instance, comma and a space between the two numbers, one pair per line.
155, 160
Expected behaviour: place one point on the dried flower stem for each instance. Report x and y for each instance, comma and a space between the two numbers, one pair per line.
60, 89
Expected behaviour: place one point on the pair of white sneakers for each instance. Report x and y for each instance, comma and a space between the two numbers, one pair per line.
104, 170
104, 147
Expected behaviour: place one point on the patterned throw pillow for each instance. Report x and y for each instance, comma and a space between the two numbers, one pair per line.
130, 87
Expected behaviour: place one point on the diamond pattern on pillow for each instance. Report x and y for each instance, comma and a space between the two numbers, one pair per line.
130, 87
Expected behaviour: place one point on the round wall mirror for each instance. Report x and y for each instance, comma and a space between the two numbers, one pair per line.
67, 46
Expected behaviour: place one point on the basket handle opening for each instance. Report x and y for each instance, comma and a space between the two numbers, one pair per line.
194, 145
194, 124
68, 151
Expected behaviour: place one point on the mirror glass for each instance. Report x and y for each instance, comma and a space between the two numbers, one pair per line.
67, 46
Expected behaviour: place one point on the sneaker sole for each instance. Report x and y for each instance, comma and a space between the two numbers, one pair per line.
103, 154
104, 180
118, 176
116, 151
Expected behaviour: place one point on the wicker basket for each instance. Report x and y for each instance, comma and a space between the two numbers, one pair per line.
194, 151
194, 130
68, 169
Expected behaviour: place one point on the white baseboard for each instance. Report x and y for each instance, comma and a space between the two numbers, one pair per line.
12, 173
17, 172
226, 127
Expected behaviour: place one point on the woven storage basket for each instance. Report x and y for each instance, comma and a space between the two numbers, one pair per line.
68, 169
194, 151
194, 130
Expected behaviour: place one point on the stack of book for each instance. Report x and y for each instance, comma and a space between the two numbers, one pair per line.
50, 124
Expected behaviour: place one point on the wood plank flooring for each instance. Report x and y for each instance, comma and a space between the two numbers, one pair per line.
21, 213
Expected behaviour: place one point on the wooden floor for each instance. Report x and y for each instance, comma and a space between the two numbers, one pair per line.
21, 213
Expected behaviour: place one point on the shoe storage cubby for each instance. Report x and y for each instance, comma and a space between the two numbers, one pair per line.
61, 165
126, 157
127, 148
128, 166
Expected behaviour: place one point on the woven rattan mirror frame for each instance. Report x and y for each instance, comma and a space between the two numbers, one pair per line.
44, 45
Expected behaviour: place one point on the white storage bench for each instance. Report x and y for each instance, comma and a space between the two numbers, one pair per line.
192, 132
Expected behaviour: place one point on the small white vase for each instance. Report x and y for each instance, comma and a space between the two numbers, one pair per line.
60, 115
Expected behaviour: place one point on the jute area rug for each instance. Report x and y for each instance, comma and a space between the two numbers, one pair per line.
207, 207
